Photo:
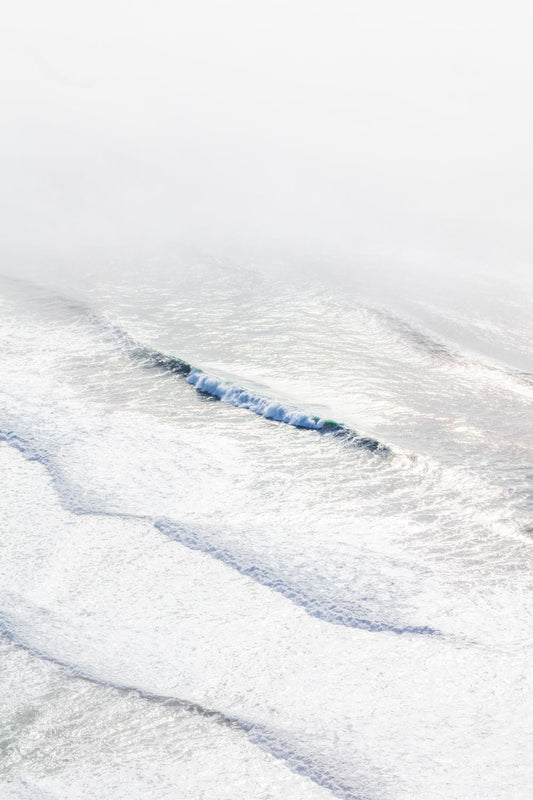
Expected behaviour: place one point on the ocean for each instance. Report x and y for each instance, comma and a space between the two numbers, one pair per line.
265, 537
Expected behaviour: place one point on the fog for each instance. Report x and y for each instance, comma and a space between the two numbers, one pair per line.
295, 133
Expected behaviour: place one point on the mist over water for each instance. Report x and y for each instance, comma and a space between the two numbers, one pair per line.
265, 413
397, 131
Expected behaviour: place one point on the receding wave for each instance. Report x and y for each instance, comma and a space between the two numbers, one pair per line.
322, 606
316, 601
280, 747
17, 640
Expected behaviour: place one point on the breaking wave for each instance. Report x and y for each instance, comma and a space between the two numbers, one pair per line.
241, 397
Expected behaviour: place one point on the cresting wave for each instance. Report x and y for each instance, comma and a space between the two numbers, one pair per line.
241, 397
213, 386
287, 527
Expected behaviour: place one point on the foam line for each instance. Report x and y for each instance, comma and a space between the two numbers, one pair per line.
321, 607
266, 739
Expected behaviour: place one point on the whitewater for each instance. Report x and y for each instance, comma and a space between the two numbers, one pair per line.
261, 539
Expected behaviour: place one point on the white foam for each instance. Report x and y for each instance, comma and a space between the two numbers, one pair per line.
107, 744
404, 539
126, 605
244, 398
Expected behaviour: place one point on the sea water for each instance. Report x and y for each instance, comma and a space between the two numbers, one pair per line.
263, 538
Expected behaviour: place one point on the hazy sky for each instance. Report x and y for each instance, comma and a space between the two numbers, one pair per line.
394, 129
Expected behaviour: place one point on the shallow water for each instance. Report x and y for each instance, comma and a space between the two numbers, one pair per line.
200, 600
